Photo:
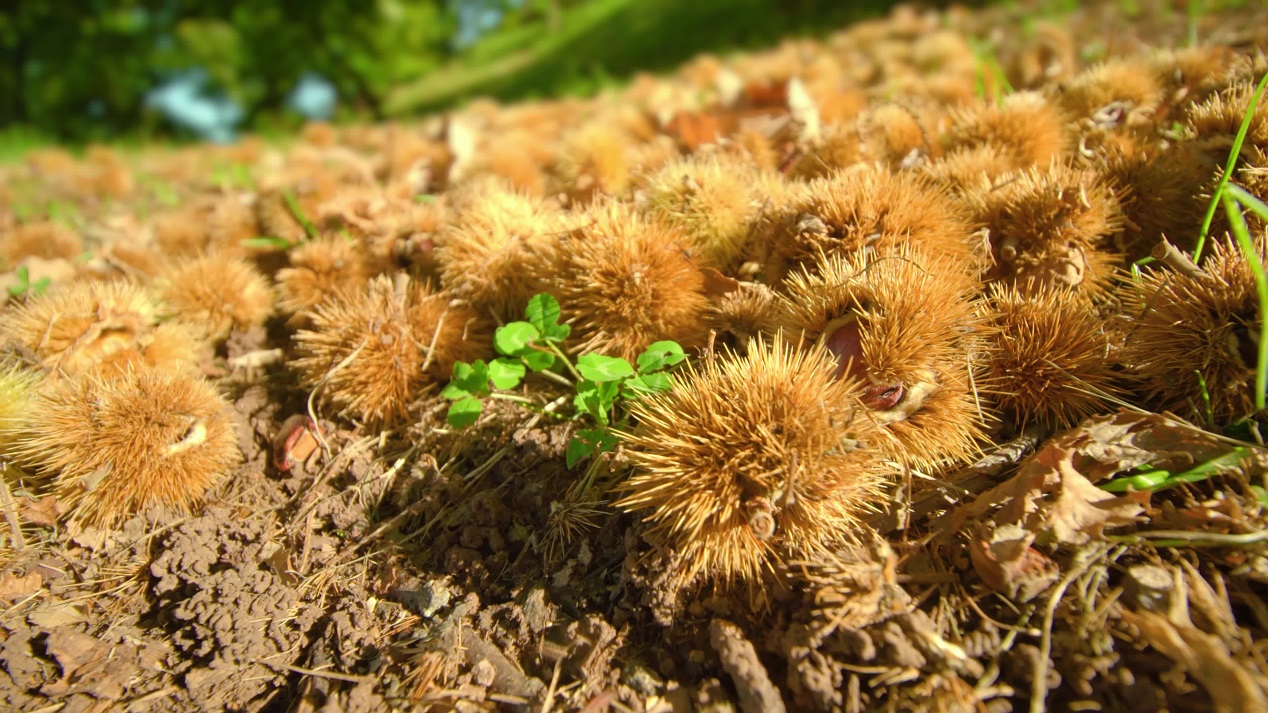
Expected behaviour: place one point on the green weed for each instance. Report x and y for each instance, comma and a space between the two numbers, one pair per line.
1155, 479
1237, 199
25, 288
1217, 195
602, 383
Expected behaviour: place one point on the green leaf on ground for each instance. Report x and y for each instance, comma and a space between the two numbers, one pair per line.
463, 412
660, 355
505, 373
543, 312
514, 339
468, 379
597, 367
577, 449
648, 383
265, 242
596, 398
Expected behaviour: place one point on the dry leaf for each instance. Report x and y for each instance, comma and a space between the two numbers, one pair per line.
1232, 686
55, 614
716, 284
1107, 445
1080, 510
1007, 563
766, 95
41, 512
1049, 496
693, 130
13, 587
804, 110
89, 666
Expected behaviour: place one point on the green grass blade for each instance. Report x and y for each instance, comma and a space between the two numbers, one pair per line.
1218, 194
1248, 200
1156, 480
1241, 233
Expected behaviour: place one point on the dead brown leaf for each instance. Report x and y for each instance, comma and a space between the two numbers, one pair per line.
1232, 686
13, 587
1080, 510
41, 512
1049, 496
1104, 446
89, 666
56, 614
716, 284
1007, 563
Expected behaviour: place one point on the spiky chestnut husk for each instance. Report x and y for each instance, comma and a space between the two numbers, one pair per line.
46, 239
626, 281
869, 206
943, 50
364, 213
319, 133
838, 147
710, 202
1048, 357
754, 147
17, 388
903, 326
956, 87
122, 258
892, 134
749, 461
1047, 228
1192, 74
495, 250
413, 245
273, 211
594, 160
216, 293
511, 158
1215, 122
319, 268
1024, 128
182, 232
1161, 191
117, 445
1250, 174
745, 313
1185, 326
651, 156
109, 176
1051, 55
1114, 93
99, 326
837, 103
965, 170
232, 220
1253, 176
373, 352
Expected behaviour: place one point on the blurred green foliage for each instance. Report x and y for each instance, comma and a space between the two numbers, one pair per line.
79, 71
554, 47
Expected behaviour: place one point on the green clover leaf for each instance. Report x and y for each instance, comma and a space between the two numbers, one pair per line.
660, 355
514, 339
505, 373
463, 412
597, 367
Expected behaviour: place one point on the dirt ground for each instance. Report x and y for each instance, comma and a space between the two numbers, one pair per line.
423, 568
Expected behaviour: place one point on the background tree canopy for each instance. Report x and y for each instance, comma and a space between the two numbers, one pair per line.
82, 71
